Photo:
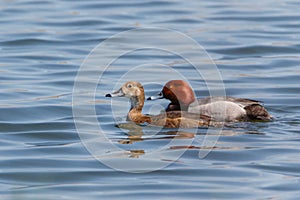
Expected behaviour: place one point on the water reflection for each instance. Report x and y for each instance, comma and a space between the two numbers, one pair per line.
135, 134
138, 133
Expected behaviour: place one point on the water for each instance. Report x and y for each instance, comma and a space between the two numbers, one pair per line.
255, 45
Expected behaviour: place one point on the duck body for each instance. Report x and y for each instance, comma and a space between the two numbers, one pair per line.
225, 109
172, 119
230, 109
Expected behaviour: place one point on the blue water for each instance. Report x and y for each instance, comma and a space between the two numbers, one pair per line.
43, 45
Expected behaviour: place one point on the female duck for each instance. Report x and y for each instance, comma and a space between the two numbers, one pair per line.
173, 119
228, 109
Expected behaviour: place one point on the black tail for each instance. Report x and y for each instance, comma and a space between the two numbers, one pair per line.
257, 112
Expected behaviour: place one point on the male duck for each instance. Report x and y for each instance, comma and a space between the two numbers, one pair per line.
173, 119
228, 109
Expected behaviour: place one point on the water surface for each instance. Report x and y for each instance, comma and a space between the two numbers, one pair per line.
255, 45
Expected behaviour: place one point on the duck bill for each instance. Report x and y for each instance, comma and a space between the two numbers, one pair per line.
118, 93
158, 96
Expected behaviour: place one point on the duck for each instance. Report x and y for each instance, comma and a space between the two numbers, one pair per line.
226, 109
172, 119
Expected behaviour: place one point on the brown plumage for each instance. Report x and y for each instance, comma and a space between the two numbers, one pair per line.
173, 119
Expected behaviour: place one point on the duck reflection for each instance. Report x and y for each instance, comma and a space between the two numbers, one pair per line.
135, 133
136, 153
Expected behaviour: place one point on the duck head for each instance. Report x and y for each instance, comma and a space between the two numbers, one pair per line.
178, 92
132, 90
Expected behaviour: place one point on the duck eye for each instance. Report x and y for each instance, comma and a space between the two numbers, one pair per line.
129, 86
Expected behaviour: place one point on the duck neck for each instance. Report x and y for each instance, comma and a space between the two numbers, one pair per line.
137, 103
135, 112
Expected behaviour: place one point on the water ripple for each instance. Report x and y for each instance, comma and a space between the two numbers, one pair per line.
43, 43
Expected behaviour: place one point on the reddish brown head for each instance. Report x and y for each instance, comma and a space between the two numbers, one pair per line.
179, 93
